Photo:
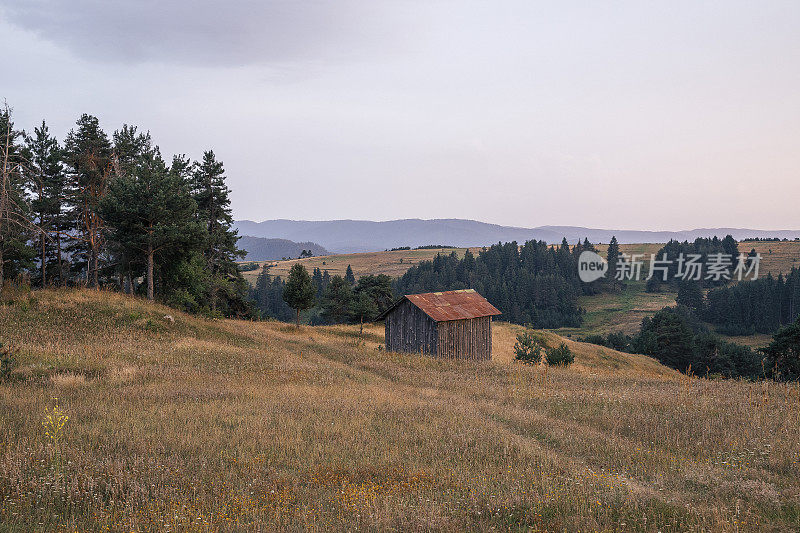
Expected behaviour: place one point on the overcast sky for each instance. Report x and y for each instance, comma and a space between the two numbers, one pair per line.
639, 115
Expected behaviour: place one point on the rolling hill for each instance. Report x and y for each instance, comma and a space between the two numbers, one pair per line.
348, 236
262, 249
392, 263
206, 425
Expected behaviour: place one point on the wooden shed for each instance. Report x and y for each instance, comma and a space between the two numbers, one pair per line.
451, 324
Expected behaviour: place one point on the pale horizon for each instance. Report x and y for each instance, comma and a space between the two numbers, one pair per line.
656, 230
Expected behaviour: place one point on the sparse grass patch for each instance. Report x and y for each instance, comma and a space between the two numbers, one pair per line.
68, 380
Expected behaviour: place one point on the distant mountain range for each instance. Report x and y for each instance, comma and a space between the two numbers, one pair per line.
348, 236
262, 249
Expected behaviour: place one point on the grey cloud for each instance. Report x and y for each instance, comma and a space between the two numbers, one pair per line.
202, 32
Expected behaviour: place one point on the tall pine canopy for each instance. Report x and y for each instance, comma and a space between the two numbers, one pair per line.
220, 251
110, 212
534, 283
48, 181
612, 258
88, 155
148, 211
299, 291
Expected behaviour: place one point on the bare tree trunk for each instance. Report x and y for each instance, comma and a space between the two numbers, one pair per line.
95, 268
213, 293
4, 192
361, 332
44, 262
62, 280
297, 323
130, 282
150, 291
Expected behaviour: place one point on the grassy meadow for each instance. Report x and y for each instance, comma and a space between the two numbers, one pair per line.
392, 263
202, 425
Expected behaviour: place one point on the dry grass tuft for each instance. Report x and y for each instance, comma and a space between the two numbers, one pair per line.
68, 380
122, 374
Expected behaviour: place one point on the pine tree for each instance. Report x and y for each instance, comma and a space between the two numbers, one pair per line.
337, 300
783, 353
214, 210
668, 337
612, 258
690, 295
316, 279
378, 288
46, 179
326, 279
88, 155
148, 210
129, 145
299, 291
16, 227
268, 295
565, 259
349, 276
363, 306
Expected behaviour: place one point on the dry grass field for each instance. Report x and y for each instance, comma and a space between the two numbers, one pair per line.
225, 425
776, 257
620, 311
392, 263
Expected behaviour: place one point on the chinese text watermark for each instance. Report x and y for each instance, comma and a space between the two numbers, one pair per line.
715, 267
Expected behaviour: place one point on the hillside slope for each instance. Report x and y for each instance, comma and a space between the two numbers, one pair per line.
261, 249
232, 425
393, 263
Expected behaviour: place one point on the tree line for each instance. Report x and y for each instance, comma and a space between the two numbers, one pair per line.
330, 299
701, 249
534, 284
678, 339
108, 211
757, 306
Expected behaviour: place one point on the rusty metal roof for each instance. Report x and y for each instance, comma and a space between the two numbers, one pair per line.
450, 305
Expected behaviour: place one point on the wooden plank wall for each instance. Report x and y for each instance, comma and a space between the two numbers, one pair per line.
466, 339
408, 329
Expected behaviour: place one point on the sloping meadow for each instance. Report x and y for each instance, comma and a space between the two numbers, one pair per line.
195, 424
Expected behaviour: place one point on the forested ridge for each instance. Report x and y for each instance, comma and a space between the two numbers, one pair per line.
680, 257
757, 306
534, 284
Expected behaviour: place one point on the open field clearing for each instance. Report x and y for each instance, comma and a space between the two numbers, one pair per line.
619, 311
227, 425
392, 263
776, 257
